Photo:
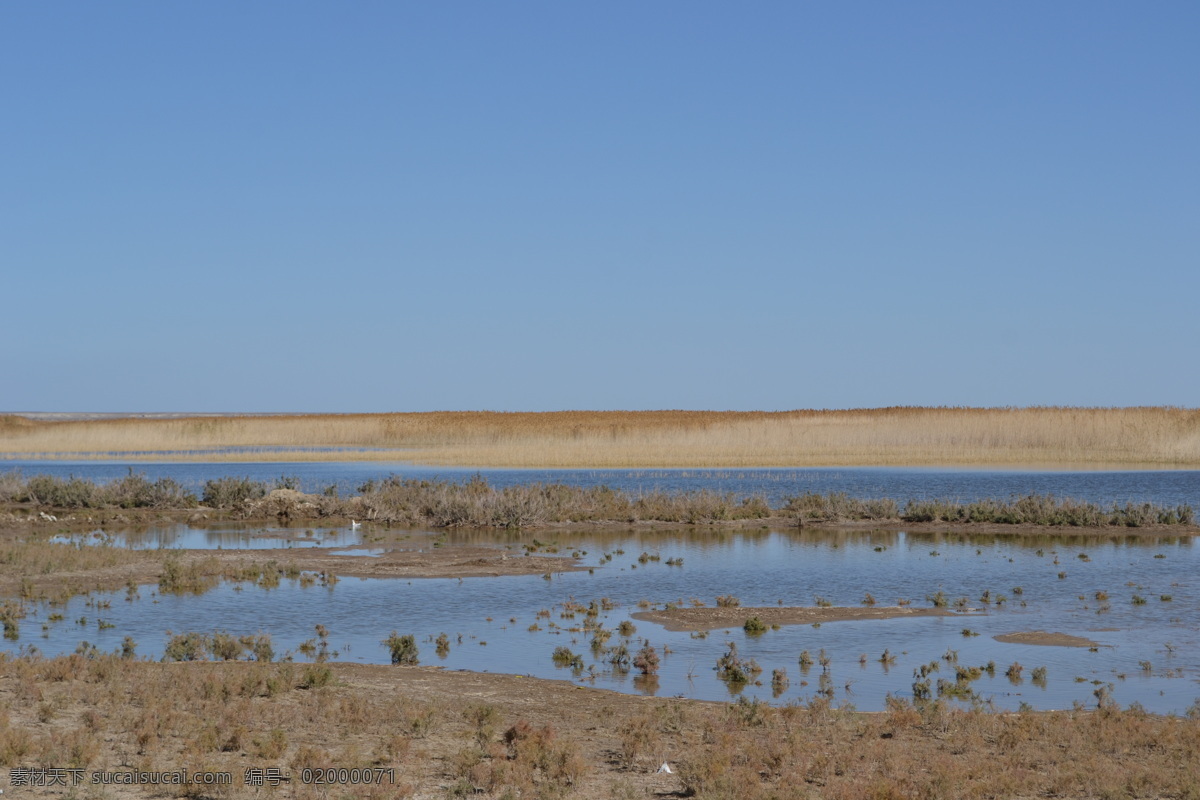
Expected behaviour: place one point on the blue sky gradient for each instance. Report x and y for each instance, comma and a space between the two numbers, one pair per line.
382, 206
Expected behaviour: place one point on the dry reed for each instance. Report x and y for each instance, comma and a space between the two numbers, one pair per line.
1141, 437
96, 712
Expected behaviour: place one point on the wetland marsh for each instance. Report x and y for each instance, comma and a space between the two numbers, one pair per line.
936, 625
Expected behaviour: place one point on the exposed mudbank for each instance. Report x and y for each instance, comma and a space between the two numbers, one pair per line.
701, 619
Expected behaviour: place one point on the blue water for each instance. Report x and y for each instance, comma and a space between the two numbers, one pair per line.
493, 616
1165, 487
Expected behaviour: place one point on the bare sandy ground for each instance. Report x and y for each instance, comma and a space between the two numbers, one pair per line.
1045, 638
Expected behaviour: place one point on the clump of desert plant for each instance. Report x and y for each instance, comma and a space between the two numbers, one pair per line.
600, 637
957, 689
646, 660
225, 647
563, 657
11, 613
734, 669
868, 599
806, 661
939, 599
189, 646
779, 681
967, 674
1138, 600
727, 601
128, 647
619, 657
1039, 676
403, 649
178, 578
626, 628
442, 645
229, 492
259, 646
1014, 672
754, 626
887, 659
315, 676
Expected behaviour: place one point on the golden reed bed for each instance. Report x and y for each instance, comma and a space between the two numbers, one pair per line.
1146, 437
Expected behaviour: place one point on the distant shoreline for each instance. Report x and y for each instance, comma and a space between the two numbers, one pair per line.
1014, 438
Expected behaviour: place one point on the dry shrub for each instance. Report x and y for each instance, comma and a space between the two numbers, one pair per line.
640, 740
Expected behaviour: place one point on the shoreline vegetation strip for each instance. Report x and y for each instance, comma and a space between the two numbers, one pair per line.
476, 503
1143, 437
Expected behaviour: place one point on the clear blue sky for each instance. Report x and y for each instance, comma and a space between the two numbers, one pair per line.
379, 206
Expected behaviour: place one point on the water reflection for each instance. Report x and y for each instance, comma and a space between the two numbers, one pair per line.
1077, 585
224, 537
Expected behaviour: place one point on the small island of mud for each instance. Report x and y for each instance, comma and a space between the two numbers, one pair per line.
1045, 638
704, 619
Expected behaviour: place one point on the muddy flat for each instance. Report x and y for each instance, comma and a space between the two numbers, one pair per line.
117, 567
706, 619
1045, 638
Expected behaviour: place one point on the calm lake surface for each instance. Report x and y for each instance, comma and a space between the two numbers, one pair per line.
1149, 653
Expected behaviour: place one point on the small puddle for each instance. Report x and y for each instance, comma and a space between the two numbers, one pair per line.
187, 537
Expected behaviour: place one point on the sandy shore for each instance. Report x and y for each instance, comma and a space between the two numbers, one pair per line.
1045, 638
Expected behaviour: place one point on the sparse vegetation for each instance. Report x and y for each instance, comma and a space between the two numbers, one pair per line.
476, 503
95, 711
403, 649
734, 669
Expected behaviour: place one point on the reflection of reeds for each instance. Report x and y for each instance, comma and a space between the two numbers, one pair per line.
1128, 436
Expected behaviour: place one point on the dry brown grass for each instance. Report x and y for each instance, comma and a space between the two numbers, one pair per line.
1142, 437
490, 736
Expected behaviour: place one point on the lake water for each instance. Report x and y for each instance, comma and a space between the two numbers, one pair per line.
494, 625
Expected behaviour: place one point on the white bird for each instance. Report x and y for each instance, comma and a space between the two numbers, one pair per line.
355, 525
665, 768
